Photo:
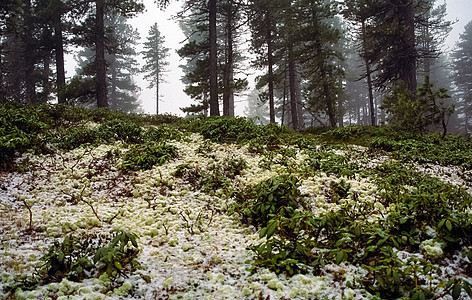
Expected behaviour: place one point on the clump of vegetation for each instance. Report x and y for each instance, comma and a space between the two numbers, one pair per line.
162, 133
257, 204
126, 131
147, 155
74, 137
298, 241
78, 258
417, 112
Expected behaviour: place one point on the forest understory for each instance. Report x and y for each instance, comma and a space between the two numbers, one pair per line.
103, 205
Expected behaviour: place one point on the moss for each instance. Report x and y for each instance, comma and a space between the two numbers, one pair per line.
124, 289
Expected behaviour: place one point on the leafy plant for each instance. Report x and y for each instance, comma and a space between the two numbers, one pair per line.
268, 198
147, 155
417, 112
119, 257
126, 131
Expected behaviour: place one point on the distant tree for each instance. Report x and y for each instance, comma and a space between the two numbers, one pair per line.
155, 56
90, 32
256, 108
431, 31
428, 109
319, 55
196, 51
462, 59
121, 66
263, 16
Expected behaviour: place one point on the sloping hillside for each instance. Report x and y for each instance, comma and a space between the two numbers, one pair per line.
97, 204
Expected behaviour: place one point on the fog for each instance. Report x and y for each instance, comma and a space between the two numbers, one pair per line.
172, 95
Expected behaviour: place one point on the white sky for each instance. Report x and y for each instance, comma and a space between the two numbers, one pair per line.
172, 95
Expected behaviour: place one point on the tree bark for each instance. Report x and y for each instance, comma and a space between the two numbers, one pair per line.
100, 63
369, 76
59, 50
46, 83
293, 96
113, 97
29, 53
214, 105
228, 94
408, 70
270, 63
157, 93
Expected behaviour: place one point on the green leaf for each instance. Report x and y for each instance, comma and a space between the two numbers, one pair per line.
448, 225
421, 295
271, 228
441, 223
396, 277
456, 290
262, 232
339, 257
467, 288
60, 257
118, 265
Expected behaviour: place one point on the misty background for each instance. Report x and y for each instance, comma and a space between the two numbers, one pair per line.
172, 95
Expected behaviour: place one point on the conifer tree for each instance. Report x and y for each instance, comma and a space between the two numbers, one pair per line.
462, 58
155, 56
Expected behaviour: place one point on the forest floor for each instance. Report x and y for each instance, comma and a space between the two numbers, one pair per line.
191, 243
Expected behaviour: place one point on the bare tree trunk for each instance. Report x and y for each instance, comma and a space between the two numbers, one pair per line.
30, 93
270, 62
2, 83
228, 94
46, 83
214, 105
284, 99
369, 76
157, 93
113, 97
59, 49
293, 96
100, 63
408, 72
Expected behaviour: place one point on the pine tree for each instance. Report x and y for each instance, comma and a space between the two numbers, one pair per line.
195, 24
121, 62
155, 56
263, 29
462, 58
90, 32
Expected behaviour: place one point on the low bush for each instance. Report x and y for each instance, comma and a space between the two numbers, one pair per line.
145, 156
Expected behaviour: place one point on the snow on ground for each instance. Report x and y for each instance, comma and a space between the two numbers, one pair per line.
190, 247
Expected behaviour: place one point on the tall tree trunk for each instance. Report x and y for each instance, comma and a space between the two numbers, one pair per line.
2, 83
46, 83
292, 83
284, 99
157, 93
408, 71
270, 63
29, 53
214, 105
113, 97
100, 63
228, 94
369, 76
59, 49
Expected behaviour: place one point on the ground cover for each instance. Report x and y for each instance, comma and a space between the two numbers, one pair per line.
99, 205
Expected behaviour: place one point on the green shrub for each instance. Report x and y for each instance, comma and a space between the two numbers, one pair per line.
147, 155
226, 129
79, 258
74, 137
261, 202
126, 131
417, 112
162, 133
